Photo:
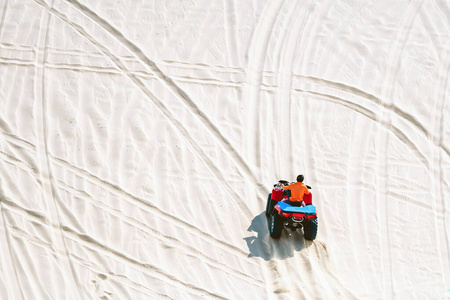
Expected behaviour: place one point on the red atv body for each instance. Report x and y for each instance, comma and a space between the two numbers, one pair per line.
283, 215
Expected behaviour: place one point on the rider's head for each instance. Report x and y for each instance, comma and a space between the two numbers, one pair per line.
300, 178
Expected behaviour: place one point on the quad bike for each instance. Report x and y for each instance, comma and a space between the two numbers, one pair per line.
282, 214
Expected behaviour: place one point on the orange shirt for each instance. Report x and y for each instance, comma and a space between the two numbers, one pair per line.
298, 189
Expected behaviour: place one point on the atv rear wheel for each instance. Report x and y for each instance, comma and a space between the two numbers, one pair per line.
270, 205
276, 226
310, 229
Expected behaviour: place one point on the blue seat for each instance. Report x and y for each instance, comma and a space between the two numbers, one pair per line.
309, 209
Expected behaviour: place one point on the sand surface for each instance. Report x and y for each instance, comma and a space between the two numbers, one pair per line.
139, 141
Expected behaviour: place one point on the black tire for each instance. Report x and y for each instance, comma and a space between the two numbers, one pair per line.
275, 226
270, 205
310, 229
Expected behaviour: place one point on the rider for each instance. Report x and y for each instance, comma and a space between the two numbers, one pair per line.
298, 189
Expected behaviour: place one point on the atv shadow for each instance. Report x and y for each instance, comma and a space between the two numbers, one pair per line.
264, 246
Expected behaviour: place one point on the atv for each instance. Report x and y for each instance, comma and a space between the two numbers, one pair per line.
282, 214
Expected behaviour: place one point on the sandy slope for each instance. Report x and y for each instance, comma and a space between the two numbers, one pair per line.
139, 141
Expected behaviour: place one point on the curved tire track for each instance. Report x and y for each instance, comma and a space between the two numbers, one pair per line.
255, 69
286, 48
158, 235
45, 172
438, 166
89, 242
171, 85
146, 206
143, 204
399, 112
373, 116
208, 163
382, 140
21, 234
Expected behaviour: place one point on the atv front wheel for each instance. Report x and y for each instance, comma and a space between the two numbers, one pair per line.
310, 229
276, 226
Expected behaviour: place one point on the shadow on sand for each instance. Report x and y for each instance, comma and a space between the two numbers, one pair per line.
264, 246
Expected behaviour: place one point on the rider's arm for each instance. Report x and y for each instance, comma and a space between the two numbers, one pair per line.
286, 187
306, 191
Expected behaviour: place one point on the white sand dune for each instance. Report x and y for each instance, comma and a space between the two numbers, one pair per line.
139, 141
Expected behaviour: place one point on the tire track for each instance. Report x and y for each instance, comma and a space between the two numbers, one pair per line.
158, 235
202, 66
284, 77
37, 218
143, 204
339, 86
440, 188
3, 17
146, 206
21, 234
148, 268
438, 165
416, 124
42, 154
285, 50
371, 113
33, 277
411, 201
384, 213
303, 60
113, 71
91, 243
400, 113
399, 134
373, 116
17, 155
283, 104
171, 85
38, 149
230, 31
363, 109
7, 256
317, 255
355, 169
128, 59
404, 183
12, 160
285, 74
17, 62
17, 47
16, 141
255, 68
208, 81
121, 280
209, 165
